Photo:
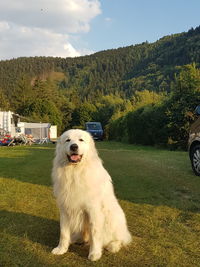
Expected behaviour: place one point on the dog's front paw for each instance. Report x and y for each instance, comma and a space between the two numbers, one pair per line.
94, 256
59, 250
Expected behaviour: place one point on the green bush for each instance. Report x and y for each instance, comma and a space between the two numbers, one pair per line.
118, 129
146, 126
167, 122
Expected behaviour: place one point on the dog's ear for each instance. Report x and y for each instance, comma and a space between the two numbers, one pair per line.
58, 144
58, 141
92, 143
93, 146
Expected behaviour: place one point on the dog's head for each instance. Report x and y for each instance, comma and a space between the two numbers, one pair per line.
75, 146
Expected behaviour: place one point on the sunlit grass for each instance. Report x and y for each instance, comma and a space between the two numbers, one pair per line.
156, 188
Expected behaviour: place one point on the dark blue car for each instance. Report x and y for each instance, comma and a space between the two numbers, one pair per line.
95, 129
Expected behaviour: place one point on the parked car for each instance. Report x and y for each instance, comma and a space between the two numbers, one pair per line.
194, 143
95, 129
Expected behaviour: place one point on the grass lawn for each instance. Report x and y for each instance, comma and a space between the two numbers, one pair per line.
156, 188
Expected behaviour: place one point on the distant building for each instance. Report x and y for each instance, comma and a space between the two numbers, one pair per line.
10, 124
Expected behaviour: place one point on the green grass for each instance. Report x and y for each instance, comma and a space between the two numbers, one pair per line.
156, 188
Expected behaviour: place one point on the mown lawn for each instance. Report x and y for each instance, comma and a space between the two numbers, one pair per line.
156, 188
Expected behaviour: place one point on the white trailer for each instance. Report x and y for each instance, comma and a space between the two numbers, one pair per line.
7, 125
10, 124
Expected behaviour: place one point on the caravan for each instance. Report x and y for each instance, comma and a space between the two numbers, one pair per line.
41, 132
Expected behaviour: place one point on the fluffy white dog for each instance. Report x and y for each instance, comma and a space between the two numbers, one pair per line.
89, 210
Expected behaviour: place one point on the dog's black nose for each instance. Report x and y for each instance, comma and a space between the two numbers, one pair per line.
74, 147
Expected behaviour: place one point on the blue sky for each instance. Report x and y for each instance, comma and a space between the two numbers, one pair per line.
127, 22
68, 28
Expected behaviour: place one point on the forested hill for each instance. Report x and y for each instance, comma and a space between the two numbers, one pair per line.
148, 66
54, 89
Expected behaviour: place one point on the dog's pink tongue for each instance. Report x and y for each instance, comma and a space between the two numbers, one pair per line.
75, 157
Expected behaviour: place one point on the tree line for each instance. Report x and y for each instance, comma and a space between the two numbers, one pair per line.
166, 122
119, 87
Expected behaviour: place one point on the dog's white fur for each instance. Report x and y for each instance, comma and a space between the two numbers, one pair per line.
89, 210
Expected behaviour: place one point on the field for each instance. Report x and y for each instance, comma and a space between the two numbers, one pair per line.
156, 188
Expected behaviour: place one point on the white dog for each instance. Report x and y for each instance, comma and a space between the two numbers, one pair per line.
89, 210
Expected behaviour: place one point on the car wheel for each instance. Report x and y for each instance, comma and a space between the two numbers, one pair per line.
195, 159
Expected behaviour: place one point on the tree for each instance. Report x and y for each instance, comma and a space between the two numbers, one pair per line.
83, 114
145, 97
22, 95
180, 107
4, 103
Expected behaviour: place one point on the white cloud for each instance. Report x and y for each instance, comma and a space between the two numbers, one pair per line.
44, 27
108, 19
70, 50
4, 26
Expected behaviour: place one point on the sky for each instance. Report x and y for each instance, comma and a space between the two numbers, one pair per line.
71, 28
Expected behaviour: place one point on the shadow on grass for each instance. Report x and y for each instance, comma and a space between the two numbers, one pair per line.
29, 164
36, 229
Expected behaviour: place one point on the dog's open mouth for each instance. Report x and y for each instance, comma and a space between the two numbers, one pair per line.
74, 158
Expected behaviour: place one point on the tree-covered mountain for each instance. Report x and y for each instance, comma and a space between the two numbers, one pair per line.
68, 91
148, 66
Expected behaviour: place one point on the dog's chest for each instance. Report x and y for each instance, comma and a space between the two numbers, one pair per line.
74, 188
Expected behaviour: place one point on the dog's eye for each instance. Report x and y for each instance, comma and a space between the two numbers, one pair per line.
81, 140
68, 140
